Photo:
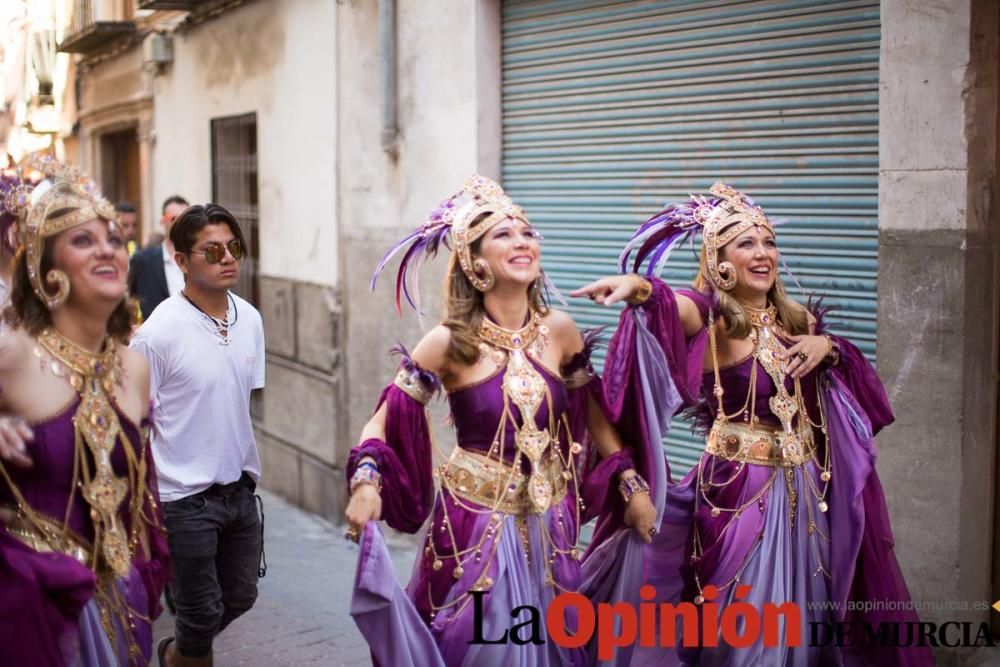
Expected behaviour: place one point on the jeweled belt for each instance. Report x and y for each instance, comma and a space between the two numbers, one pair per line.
499, 486
737, 441
54, 539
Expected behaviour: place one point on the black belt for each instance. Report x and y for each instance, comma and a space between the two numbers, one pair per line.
245, 480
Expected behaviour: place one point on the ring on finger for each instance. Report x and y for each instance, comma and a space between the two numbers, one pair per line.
803, 356
351, 534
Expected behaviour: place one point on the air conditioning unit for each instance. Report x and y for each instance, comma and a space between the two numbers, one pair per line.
158, 49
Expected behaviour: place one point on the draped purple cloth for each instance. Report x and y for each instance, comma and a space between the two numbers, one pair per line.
386, 617
44, 594
861, 561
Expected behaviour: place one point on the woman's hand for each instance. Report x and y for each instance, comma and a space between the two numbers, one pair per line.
14, 436
365, 506
806, 354
612, 289
640, 513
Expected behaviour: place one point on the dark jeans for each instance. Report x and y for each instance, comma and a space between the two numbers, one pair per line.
215, 542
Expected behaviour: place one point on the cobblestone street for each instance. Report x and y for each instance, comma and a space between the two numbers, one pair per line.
301, 616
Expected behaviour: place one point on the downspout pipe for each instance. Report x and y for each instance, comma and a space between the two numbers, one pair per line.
387, 75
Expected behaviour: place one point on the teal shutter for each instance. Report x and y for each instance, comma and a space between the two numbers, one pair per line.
611, 109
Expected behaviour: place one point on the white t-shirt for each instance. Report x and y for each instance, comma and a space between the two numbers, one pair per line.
202, 433
175, 277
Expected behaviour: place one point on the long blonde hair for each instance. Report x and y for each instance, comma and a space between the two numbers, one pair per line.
792, 315
464, 310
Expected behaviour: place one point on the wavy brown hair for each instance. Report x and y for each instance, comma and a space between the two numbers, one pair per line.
27, 311
464, 310
792, 315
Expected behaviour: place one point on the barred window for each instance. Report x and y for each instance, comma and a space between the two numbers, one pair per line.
234, 185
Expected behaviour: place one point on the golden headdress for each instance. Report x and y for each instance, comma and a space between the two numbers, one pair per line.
63, 199
720, 218
454, 222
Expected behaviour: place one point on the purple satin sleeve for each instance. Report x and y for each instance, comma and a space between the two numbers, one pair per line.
43, 597
662, 319
599, 476
403, 460
860, 378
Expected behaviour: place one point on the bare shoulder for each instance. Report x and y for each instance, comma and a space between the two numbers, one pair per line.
812, 321
15, 348
690, 314
432, 350
564, 331
134, 363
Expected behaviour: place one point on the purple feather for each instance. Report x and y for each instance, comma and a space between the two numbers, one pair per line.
427, 378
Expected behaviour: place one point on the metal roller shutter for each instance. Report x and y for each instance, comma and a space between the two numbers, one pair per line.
612, 108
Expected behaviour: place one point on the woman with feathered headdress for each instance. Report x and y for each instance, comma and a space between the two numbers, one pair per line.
785, 504
535, 457
83, 557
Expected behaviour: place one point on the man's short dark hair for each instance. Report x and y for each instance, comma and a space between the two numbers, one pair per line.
195, 218
125, 207
173, 199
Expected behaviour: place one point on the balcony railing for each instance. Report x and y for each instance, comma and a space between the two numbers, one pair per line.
90, 31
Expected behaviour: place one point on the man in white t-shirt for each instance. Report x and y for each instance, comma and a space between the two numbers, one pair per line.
205, 348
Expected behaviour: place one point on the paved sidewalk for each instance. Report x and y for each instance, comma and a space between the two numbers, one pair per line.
301, 616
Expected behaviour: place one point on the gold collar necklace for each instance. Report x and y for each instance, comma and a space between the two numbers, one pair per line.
762, 317
93, 377
78, 365
518, 339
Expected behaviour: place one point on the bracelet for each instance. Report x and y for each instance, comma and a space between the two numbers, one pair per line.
368, 463
365, 474
631, 485
832, 356
643, 293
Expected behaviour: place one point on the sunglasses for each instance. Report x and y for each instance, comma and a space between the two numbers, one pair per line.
216, 252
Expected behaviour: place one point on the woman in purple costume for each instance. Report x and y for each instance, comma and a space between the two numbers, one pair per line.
83, 557
534, 460
785, 499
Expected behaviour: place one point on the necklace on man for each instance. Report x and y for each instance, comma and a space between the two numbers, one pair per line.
222, 326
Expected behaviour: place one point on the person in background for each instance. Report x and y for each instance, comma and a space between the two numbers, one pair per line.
205, 348
128, 223
153, 273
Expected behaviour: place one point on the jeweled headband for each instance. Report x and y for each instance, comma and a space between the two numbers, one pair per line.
455, 222
720, 218
65, 189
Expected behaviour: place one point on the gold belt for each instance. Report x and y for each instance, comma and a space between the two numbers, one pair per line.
736, 441
50, 539
499, 486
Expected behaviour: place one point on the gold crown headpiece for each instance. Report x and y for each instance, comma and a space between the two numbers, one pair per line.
720, 218
458, 222
64, 198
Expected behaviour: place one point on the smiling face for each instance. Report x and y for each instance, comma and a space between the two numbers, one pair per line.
94, 258
197, 270
512, 251
754, 256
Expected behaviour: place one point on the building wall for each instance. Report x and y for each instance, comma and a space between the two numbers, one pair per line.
448, 115
275, 59
937, 296
278, 60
